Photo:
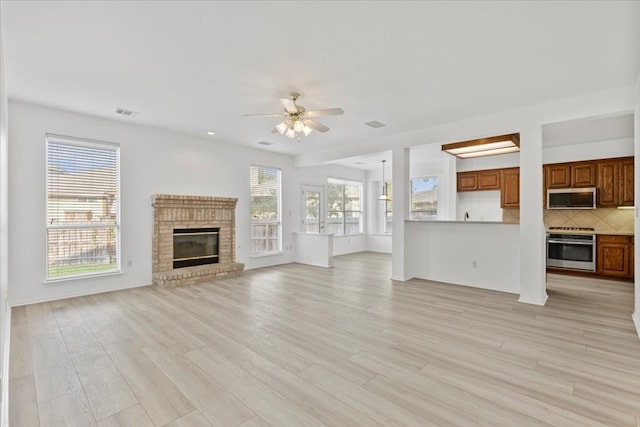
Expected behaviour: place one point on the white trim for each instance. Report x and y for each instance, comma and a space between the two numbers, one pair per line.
4, 409
636, 321
73, 295
534, 302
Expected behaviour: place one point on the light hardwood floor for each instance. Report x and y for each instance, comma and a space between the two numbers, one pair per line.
303, 346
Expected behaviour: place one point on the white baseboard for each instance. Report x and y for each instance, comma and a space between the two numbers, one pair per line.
636, 320
535, 302
18, 303
4, 406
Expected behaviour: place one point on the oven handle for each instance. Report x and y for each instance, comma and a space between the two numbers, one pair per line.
564, 242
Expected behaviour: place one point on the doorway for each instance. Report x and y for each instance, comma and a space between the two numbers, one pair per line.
313, 209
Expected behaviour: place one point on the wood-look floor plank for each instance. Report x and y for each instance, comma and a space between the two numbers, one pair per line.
23, 405
270, 406
301, 345
134, 416
161, 399
217, 405
104, 386
69, 410
194, 419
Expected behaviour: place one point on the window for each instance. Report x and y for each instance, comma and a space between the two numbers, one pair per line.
388, 208
265, 211
83, 207
344, 207
424, 198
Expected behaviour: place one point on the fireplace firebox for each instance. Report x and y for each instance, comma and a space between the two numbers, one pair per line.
195, 246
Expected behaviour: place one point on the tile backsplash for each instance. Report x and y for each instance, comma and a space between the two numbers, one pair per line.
603, 220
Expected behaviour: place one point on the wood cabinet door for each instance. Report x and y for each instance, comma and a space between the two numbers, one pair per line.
614, 256
583, 174
608, 183
467, 181
489, 180
510, 189
626, 182
558, 176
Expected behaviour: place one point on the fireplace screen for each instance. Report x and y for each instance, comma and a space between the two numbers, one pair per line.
195, 246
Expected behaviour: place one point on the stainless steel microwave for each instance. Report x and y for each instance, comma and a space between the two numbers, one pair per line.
571, 198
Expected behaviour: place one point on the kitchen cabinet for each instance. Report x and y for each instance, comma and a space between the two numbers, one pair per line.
584, 174
479, 180
626, 182
510, 188
613, 179
558, 175
608, 185
614, 255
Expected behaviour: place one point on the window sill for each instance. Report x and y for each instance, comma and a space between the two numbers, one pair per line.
84, 276
266, 255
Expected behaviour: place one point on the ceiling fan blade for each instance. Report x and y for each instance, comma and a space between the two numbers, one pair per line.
315, 125
289, 105
325, 112
266, 115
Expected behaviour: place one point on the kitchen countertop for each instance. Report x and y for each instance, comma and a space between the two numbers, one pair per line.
611, 233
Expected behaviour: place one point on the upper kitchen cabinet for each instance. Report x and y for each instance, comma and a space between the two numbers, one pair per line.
510, 191
608, 193
479, 180
626, 181
584, 174
612, 178
567, 175
558, 175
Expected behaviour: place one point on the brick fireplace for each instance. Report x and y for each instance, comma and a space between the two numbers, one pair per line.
172, 213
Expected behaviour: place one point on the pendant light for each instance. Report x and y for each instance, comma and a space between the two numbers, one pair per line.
384, 195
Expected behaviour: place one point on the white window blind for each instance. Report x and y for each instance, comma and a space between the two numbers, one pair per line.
83, 207
266, 224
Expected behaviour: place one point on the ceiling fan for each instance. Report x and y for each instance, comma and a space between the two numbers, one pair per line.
297, 120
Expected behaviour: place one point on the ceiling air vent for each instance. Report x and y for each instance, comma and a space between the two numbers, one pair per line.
375, 124
125, 112
265, 143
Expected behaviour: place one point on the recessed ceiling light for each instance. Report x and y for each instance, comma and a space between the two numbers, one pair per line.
375, 124
358, 163
210, 132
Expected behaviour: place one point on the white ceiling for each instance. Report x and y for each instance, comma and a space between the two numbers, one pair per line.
197, 66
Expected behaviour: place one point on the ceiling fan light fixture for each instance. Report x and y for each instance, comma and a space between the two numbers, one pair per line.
298, 126
282, 127
290, 133
306, 130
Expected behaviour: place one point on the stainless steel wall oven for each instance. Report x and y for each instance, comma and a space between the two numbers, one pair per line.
572, 251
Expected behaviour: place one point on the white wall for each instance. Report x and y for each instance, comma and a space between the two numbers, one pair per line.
480, 205
5, 312
459, 253
588, 151
152, 161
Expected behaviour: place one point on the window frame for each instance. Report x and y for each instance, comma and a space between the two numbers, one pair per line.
344, 183
116, 225
278, 222
411, 206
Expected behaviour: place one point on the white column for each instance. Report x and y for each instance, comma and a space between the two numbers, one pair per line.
636, 198
400, 203
532, 230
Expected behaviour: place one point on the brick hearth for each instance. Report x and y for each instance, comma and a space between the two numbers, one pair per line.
171, 212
